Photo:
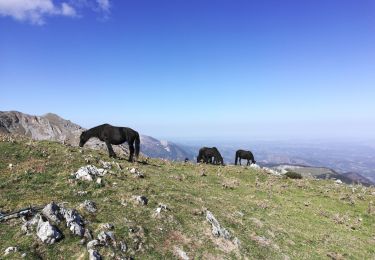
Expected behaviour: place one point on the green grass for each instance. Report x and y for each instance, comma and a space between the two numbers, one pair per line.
302, 219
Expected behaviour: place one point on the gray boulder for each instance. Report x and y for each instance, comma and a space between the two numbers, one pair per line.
48, 233
74, 221
52, 212
217, 230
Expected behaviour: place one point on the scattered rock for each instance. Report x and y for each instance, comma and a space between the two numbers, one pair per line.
262, 241
88, 173
255, 166
47, 233
89, 206
136, 173
29, 225
52, 212
217, 230
106, 237
107, 226
10, 249
94, 255
180, 253
88, 234
74, 221
99, 181
10, 166
92, 244
142, 200
159, 209
106, 165
338, 181
133, 170
82, 193
123, 246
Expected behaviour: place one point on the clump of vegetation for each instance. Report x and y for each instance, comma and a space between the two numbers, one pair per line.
293, 175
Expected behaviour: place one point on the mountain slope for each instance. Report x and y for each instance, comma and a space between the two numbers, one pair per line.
260, 216
53, 127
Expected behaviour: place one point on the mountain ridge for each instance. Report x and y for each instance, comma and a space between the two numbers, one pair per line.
52, 127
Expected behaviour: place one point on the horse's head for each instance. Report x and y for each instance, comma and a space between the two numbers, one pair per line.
83, 139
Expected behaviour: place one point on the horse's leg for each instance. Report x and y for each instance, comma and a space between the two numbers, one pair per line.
240, 160
110, 149
248, 162
131, 149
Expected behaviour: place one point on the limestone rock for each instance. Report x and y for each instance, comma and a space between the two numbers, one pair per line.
89, 206
10, 249
48, 233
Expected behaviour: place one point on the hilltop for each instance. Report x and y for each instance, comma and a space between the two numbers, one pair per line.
260, 215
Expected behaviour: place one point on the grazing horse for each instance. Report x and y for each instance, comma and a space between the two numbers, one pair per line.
206, 154
113, 135
242, 154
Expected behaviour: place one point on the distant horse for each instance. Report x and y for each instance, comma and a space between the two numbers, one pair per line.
242, 154
113, 135
206, 154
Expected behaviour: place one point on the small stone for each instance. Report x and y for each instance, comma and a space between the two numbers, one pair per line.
10, 249
88, 234
92, 244
99, 181
141, 200
89, 206
123, 246
180, 253
107, 226
133, 170
10, 166
105, 237
94, 255
74, 221
338, 181
106, 165
28, 226
217, 230
81, 193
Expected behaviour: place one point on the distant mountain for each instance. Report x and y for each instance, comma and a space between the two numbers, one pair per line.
163, 149
323, 173
53, 127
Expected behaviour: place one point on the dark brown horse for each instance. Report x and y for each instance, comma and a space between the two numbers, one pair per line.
113, 135
206, 154
242, 154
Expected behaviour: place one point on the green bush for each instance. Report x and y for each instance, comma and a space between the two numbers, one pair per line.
293, 175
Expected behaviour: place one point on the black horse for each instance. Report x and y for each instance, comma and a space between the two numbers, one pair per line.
242, 154
206, 154
113, 135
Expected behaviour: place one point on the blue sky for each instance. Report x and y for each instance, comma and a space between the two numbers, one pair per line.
183, 69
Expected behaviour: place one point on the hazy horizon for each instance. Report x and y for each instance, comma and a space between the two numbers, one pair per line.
238, 70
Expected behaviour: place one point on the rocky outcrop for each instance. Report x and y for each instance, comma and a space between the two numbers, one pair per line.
47, 233
89, 173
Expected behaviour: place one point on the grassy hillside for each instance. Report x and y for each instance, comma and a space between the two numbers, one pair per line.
272, 217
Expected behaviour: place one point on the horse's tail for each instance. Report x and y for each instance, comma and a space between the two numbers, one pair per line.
137, 144
235, 162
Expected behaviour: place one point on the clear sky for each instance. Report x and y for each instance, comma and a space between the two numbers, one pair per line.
182, 69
